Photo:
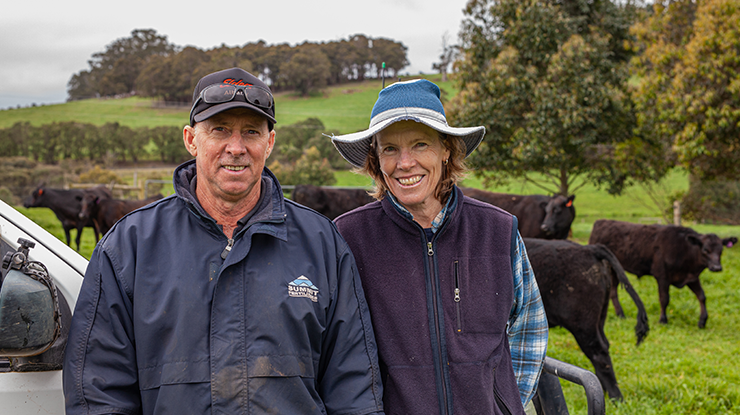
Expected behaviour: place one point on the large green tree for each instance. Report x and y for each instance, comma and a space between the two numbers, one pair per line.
392, 53
115, 70
687, 88
548, 80
307, 70
173, 77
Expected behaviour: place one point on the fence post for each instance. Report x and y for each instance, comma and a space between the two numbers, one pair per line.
677, 213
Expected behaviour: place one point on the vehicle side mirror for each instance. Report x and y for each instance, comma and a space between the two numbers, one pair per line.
29, 306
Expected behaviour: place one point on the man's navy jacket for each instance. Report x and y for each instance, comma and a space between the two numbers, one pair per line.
171, 321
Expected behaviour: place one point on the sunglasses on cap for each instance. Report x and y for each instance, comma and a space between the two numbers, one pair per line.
220, 93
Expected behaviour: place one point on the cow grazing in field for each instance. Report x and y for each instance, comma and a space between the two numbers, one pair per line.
674, 255
106, 211
540, 216
66, 205
575, 282
330, 202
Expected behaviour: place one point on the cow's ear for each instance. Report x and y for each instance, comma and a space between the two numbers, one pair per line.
694, 239
571, 198
729, 242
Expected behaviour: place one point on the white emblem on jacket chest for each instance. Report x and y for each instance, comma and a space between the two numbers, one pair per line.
303, 287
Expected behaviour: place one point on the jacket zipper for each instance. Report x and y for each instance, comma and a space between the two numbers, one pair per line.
457, 296
226, 250
430, 254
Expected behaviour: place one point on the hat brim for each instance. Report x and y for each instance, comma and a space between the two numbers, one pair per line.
355, 147
215, 109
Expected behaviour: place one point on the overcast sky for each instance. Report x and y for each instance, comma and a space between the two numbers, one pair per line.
44, 42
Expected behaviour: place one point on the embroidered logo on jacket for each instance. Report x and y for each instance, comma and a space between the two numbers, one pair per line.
303, 287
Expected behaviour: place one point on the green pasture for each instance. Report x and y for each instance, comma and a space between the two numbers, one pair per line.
678, 369
344, 108
133, 112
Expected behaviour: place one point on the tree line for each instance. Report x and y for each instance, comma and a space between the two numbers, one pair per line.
147, 64
110, 142
301, 155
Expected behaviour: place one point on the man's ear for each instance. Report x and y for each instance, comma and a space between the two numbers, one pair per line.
270, 144
188, 137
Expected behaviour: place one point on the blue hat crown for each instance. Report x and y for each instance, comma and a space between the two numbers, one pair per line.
418, 93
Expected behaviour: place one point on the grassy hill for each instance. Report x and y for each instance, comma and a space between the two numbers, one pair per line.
345, 108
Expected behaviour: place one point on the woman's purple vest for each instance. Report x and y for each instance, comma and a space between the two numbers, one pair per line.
439, 311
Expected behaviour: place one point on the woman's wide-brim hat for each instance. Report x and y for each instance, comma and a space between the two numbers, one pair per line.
416, 100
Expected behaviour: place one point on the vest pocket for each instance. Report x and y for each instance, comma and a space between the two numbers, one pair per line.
478, 296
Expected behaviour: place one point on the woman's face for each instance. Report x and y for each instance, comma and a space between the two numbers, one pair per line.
411, 158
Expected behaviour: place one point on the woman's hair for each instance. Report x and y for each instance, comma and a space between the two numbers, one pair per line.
452, 172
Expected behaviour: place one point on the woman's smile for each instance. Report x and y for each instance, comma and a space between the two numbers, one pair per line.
410, 181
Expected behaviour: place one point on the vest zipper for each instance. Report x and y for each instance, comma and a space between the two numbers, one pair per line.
457, 296
430, 254
226, 250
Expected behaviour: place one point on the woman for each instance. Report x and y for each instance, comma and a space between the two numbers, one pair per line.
458, 317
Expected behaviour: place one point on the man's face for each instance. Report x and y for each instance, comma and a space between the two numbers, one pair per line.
230, 150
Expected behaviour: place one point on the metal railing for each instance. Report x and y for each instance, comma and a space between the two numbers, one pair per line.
550, 400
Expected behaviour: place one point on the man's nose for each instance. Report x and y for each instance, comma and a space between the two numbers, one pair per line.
235, 144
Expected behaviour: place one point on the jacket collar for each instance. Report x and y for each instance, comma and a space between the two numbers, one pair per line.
270, 209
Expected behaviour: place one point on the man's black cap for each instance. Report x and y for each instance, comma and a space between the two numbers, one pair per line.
233, 76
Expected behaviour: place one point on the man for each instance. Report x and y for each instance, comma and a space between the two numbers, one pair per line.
224, 298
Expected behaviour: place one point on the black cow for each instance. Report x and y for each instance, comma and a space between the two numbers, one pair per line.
330, 202
674, 255
66, 205
106, 211
575, 282
540, 216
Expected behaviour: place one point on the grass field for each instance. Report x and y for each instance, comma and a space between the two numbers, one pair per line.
678, 369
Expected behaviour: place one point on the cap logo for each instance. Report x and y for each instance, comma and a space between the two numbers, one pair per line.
232, 81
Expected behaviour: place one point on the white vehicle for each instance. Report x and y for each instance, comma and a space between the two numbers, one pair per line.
34, 316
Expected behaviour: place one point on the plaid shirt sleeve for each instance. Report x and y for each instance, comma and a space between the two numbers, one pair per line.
527, 326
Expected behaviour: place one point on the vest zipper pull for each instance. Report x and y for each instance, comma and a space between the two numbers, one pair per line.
430, 251
226, 251
457, 283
